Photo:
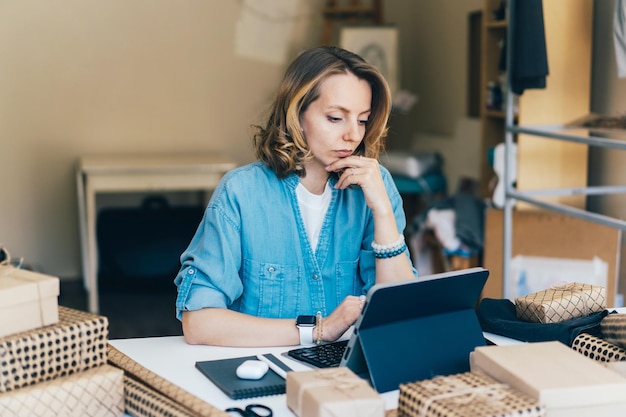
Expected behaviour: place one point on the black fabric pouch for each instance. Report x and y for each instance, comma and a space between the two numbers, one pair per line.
498, 316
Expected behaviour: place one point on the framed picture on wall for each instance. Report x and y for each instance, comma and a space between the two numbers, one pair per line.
378, 45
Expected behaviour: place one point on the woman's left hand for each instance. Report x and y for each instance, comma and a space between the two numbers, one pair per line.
364, 172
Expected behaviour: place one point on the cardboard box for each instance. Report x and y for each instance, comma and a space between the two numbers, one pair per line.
548, 234
332, 392
598, 349
142, 401
76, 343
564, 381
561, 303
147, 386
465, 394
97, 392
28, 300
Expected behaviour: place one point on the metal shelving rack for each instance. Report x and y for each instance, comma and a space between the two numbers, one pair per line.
591, 137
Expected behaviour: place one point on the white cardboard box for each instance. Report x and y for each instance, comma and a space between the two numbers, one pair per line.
564, 381
28, 300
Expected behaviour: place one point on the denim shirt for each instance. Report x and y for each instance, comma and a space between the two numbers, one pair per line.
251, 252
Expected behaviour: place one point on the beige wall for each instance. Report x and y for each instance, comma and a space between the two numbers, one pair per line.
86, 76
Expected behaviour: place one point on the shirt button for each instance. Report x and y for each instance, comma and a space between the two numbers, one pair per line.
315, 276
191, 271
271, 269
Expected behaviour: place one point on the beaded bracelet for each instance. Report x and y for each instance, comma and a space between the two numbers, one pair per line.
389, 250
390, 254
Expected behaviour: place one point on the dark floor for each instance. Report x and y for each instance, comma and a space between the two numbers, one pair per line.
132, 312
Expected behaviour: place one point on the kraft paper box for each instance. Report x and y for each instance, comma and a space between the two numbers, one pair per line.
146, 392
142, 401
28, 300
76, 343
97, 392
558, 304
613, 329
465, 394
598, 349
332, 392
564, 381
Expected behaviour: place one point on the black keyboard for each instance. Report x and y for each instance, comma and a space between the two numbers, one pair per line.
322, 356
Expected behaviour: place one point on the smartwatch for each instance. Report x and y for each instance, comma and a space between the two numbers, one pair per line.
306, 325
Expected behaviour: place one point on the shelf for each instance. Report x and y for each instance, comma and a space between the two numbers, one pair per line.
496, 24
550, 174
607, 138
527, 196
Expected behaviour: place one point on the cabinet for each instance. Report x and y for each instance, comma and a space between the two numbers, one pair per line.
541, 164
550, 154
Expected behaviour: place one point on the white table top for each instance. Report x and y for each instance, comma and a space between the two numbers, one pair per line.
173, 359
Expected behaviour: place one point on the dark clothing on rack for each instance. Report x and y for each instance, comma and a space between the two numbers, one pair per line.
619, 37
529, 59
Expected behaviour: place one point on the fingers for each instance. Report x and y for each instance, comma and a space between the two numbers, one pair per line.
357, 304
344, 164
343, 317
354, 170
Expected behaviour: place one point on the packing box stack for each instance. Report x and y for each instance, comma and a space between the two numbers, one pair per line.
76, 343
53, 359
567, 383
332, 392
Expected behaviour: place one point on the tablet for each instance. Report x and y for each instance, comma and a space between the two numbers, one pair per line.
418, 329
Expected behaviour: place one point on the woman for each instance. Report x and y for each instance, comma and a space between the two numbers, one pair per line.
308, 228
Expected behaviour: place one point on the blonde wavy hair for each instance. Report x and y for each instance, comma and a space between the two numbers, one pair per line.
281, 144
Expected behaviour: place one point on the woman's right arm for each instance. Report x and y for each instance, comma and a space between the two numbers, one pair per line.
224, 327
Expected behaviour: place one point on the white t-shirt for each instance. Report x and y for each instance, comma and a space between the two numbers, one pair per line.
313, 208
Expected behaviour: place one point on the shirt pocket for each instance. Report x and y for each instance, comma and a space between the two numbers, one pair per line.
347, 282
271, 289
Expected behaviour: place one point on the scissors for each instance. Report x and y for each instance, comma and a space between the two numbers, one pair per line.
252, 410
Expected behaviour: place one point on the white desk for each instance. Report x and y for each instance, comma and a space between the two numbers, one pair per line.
134, 173
174, 360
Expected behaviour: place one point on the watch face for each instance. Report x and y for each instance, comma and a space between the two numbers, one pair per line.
305, 321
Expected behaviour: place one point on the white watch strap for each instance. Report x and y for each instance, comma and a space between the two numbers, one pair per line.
306, 334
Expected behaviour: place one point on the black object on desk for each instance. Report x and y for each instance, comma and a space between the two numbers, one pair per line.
498, 316
252, 410
222, 373
321, 356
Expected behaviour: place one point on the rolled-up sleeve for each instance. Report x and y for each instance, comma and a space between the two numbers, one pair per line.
209, 273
